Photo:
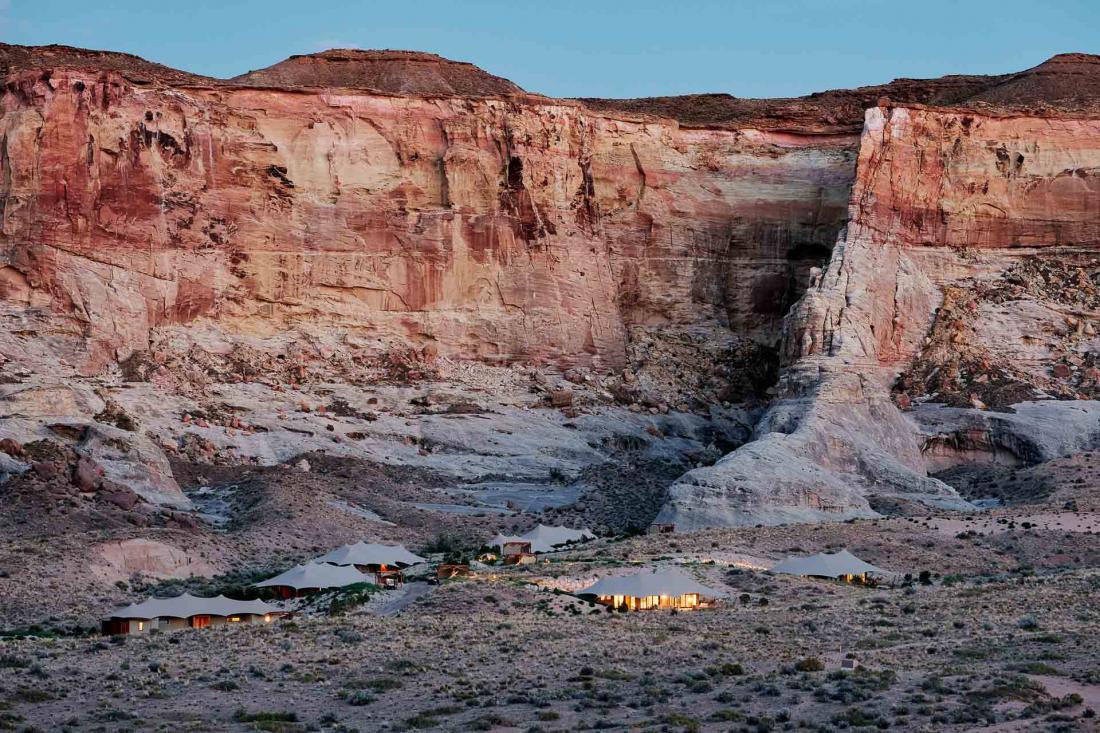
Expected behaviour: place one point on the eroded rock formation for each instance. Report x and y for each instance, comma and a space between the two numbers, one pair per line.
496, 228
943, 199
388, 208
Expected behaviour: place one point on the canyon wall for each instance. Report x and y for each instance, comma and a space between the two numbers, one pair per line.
398, 205
498, 229
943, 199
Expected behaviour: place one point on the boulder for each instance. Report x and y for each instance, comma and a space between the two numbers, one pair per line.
130, 460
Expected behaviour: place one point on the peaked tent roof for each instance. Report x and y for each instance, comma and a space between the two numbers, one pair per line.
316, 575
187, 605
551, 537
364, 553
544, 538
668, 582
502, 539
826, 565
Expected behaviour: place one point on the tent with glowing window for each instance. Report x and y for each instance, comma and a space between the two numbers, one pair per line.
384, 562
667, 588
187, 611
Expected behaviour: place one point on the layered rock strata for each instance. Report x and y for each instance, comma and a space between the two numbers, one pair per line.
942, 198
499, 229
379, 210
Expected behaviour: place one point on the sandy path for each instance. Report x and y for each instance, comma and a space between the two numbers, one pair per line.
1062, 686
413, 591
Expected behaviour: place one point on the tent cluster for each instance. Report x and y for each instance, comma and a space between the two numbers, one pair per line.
361, 562
673, 588
519, 549
187, 611
345, 566
669, 588
841, 565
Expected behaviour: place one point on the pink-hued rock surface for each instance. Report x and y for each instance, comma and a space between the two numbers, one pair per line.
500, 229
387, 207
942, 198
121, 560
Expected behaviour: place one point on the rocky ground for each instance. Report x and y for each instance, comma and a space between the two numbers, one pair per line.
1029, 332
990, 631
997, 638
200, 459
270, 471
1059, 480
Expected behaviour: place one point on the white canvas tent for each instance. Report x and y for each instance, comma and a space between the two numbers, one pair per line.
187, 605
544, 538
369, 554
669, 588
315, 576
841, 564
505, 539
184, 611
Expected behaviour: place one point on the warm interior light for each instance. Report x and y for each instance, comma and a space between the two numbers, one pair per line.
645, 603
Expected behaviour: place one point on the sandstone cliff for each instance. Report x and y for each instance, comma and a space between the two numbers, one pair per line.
391, 208
501, 229
943, 200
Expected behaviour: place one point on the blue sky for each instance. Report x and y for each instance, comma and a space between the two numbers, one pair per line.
765, 48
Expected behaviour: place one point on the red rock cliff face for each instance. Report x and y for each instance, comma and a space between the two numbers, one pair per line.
951, 194
944, 201
500, 228
388, 200
963, 180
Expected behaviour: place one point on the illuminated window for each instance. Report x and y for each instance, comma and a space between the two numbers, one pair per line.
234, 619
141, 626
